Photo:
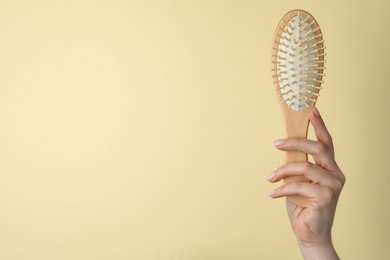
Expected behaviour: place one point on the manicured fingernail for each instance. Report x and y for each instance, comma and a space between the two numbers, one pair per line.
272, 193
316, 112
279, 142
270, 176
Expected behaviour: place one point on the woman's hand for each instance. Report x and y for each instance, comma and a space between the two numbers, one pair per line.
312, 225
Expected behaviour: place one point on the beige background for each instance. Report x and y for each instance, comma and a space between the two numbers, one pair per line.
143, 130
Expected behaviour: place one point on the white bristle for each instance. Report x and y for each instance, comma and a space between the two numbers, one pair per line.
299, 62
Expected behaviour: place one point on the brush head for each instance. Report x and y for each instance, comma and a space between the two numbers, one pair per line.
298, 60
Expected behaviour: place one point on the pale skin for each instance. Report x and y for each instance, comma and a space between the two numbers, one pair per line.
312, 225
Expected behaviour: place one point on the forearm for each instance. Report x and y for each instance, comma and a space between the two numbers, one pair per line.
324, 251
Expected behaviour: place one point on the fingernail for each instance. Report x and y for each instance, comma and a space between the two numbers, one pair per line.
272, 193
270, 176
316, 112
279, 142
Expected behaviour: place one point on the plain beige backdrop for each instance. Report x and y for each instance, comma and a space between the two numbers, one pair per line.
142, 130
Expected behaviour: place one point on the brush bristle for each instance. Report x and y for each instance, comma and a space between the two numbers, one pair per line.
298, 54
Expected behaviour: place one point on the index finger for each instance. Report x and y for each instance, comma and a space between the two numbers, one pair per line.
319, 127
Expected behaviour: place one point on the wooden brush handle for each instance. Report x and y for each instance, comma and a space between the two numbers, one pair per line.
292, 157
296, 157
296, 126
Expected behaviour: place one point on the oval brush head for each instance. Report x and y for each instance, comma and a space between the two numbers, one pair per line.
297, 70
298, 60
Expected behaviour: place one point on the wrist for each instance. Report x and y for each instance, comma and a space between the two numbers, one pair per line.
323, 251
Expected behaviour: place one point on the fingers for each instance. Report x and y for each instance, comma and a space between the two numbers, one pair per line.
319, 127
321, 150
310, 171
322, 154
304, 189
326, 178
315, 193
298, 144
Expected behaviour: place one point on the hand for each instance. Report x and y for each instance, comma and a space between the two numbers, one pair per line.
312, 225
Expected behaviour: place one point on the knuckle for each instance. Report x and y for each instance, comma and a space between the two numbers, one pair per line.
340, 176
306, 166
283, 168
282, 188
294, 186
281, 171
343, 179
295, 139
330, 138
295, 142
328, 195
338, 185
321, 149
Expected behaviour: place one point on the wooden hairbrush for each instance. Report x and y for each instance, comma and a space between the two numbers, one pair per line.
297, 71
